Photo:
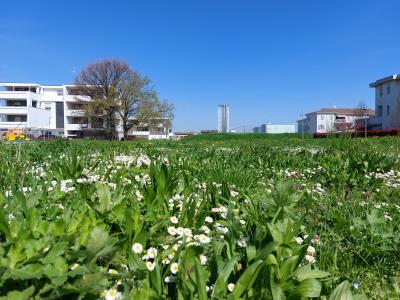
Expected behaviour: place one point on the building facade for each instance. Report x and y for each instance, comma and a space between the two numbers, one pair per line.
223, 118
387, 103
329, 120
56, 110
277, 129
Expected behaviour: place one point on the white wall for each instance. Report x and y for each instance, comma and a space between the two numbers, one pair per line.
387, 100
38, 118
280, 128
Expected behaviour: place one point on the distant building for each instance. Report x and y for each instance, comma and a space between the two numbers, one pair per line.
223, 118
276, 128
387, 106
181, 135
256, 129
328, 120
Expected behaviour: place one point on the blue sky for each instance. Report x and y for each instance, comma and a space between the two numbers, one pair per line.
269, 60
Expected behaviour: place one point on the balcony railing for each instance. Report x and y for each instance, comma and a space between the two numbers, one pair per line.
13, 110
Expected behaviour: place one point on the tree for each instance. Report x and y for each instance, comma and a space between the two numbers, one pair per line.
100, 81
362, 117
139, 105
121, 96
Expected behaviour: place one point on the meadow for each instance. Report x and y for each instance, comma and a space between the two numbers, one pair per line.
209, 217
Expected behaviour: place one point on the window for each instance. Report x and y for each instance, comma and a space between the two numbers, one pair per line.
387, 110
381, 91
322, 117
379, 110
388, 89
59, 92
321, 127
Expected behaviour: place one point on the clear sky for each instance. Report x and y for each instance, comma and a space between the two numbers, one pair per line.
269, 60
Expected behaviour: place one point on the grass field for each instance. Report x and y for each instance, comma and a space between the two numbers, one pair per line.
210, 217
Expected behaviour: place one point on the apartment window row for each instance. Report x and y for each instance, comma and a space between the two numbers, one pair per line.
379, 110
381, 88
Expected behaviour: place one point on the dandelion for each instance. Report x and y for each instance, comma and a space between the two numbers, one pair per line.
112, 271
174, 268
174, 220
150, 266
137, 248
231, 287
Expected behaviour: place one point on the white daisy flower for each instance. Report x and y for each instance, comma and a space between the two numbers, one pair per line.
174, 268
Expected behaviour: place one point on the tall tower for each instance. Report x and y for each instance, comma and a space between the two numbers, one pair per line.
223, 118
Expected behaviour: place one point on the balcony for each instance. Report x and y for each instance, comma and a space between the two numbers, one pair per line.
74, 127
75, 98
12, 125
10, 95
74, 112
13, 110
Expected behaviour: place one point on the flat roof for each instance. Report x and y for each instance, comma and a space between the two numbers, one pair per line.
384, 80
18, 84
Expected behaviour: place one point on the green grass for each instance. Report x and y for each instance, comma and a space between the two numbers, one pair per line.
72, 210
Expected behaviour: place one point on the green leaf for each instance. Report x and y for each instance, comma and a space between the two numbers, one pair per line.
276, 289
251, 252
269, 248
288, 266
20, 197
156, 281
19, 295
4, 228
201, 283
104, 194
32, 271
247, 279
307, 288
342, 292
305, 272
220, 283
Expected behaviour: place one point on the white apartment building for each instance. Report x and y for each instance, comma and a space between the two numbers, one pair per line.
387, 101
329, 120
55, 110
